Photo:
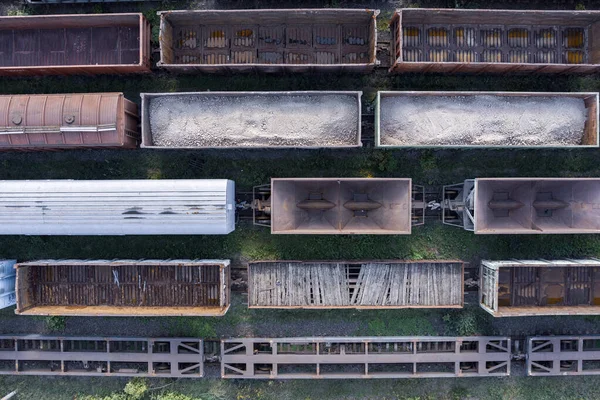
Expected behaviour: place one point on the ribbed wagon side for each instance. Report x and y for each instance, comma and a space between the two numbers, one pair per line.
495, 41
123, 287
117, 207
355, 284
294, 40
462, 119
516, 288
77, 44
67, 121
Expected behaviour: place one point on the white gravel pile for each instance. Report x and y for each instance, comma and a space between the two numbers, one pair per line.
254, 120
481, 121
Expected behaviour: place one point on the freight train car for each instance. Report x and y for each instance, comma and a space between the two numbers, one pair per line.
297, 40
463, 119
495, 41
523, 205
355, 284
7, 283
74, 44
540, 287
251, 120
117, 207
123, 288
339, 206
66, 121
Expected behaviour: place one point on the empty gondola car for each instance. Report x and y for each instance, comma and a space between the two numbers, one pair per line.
495, 41
74, 44
523, 205
463, 119
7, 283
67, 121
117, 207
540, 287
123, 287
339, 205
355, 284
268, 40
250, 120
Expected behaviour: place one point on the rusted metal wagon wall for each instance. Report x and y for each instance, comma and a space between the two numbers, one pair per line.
540, 287
251, 120
74, 44
268, 40
123, 287
365, 357
462, 119
524, 205
341, 206
355, 284
495, 41
63, 121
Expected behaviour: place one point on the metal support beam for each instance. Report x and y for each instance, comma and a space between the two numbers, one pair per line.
563, 355
95, 356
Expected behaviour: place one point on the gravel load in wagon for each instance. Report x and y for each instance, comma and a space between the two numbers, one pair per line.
490, 119
257, 119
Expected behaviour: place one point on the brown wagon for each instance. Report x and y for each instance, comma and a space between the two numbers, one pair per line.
123, 287
495, 41
74, 44
514, 288
296, 40
65, 121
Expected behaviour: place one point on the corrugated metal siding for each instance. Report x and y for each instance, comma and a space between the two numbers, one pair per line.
8, 277
117, 207
29, 122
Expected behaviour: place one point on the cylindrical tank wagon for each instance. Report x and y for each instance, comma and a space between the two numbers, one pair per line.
117, 207
523, 205
295, 40
67, 121
339, 206
87, 44
495, 41
123, 288
251, 120
463, 119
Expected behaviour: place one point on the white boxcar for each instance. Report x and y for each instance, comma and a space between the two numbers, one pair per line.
117, 207
8, 276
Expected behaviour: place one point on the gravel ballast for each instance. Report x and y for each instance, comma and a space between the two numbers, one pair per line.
245, 120
481, 120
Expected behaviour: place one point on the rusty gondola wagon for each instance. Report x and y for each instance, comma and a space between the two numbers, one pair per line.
495, 41
295, 40
88, 44
123, 287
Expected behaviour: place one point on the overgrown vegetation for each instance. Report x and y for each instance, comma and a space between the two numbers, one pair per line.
56, 323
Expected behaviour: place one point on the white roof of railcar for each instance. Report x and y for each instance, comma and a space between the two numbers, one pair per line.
117, 207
